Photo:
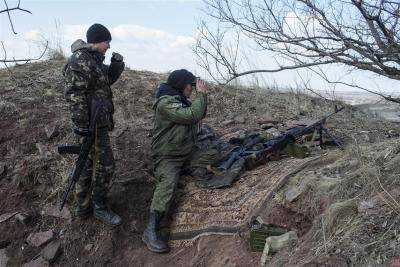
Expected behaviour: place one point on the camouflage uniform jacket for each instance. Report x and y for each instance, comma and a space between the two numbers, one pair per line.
176, 126
88, 83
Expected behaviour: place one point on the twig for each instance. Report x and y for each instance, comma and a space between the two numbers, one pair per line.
26, 60
13, 9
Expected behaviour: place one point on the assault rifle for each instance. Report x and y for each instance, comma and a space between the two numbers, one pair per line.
82, 150
279, 143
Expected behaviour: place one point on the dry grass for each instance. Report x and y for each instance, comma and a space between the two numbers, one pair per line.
32, 97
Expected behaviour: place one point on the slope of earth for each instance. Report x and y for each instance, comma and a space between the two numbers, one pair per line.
34, 119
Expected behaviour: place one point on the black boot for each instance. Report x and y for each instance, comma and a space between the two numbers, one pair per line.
151, 236
102, 213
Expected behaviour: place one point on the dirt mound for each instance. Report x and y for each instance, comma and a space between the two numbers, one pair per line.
35, 119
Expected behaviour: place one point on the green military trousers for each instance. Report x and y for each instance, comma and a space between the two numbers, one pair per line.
97, 173
168, 170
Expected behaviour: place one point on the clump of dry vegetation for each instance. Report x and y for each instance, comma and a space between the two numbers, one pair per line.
350, 196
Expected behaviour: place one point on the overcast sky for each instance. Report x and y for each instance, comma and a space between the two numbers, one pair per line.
151, 35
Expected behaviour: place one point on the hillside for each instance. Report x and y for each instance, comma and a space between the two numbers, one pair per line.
346, 209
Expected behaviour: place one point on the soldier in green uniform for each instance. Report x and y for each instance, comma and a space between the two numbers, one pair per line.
173, 146
88, 92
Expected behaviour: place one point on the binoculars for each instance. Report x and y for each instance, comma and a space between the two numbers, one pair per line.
195, 82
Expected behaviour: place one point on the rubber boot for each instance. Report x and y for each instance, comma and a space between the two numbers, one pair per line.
151, 236
102, 213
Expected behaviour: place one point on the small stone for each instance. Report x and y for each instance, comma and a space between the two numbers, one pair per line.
88, 247
52, 251
3, 257
39, 262
41, 238
292, 194
55, 212
23, 218
51, 131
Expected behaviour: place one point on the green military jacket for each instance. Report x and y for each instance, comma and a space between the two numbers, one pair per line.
88, 85
176, 126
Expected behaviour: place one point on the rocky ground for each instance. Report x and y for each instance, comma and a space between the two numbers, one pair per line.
344, 207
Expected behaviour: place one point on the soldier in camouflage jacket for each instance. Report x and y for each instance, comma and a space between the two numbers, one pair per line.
176, 127
88, 89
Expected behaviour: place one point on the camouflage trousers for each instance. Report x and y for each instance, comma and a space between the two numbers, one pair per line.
167, 172
97, 173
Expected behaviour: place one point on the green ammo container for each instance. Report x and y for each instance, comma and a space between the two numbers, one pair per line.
259, 232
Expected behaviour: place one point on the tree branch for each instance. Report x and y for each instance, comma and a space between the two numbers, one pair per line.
8, 10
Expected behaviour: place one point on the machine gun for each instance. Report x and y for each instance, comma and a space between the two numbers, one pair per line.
279, 143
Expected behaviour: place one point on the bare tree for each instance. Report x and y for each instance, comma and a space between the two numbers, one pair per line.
9, 10
360, 34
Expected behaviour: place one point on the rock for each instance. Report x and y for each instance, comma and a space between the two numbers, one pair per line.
51, 131
293, 193
228, 122
3, 257
52, 251
240, 119
275, 243
5, 217
39, 262
23, 218
55, 212
41, 238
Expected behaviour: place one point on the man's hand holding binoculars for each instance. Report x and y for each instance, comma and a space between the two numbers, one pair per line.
201, 86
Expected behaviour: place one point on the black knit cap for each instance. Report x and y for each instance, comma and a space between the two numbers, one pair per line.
180, 78
97, 33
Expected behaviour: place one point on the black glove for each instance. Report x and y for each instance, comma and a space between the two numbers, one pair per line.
116, 57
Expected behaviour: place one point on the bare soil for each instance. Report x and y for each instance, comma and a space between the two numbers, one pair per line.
34, 176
